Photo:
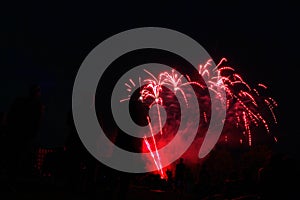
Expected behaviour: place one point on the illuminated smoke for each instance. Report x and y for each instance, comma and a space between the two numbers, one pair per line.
245, 106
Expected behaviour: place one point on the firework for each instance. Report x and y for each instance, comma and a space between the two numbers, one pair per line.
151, 91
243, 103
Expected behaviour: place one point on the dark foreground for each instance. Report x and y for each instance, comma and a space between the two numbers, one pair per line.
45, 188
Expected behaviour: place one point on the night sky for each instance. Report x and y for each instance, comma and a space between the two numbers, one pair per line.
46, 43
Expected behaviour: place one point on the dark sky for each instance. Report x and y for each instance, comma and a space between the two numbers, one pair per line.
46, 43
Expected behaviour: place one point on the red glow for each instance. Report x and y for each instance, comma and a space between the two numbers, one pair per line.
244, 104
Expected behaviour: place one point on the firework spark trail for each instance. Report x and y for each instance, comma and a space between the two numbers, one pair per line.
243, 98
130, 87
270, 102
242, 103
154, 87
151, 152
152, 90
156, 151
175, 81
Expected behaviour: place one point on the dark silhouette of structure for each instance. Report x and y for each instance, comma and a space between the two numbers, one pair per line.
23, 123
180, 176
169, 179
